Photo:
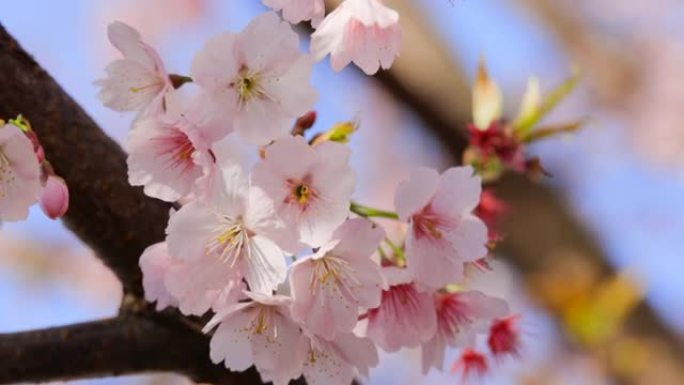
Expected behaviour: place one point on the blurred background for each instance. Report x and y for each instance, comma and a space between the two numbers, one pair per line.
593, 256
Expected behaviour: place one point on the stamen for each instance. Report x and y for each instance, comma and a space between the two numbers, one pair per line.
229, 240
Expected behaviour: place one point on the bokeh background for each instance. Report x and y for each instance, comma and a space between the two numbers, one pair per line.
618, 183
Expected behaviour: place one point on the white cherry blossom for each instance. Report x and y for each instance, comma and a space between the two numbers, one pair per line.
310, 186
138, 82
255, 82
237, 228
259, 333
331, 286
365, 32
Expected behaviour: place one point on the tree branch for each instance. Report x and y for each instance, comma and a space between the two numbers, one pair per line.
118, 222
127, 344
113, 218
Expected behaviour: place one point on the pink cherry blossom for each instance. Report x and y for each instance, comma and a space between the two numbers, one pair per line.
168, 155
155, 262
194, 286
202, 284
460, 317
310, 186
472, 364
296, 11
20, 185
336, 362
365, 32
54, 199
405, 318
443, 234
259, 333
138, 82
255, 82
238, 228
329, 287
504, 336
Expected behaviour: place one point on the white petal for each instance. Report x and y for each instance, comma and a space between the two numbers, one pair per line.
415, 193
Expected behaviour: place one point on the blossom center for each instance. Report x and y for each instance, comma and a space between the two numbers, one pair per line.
228, 240
335, 274
429, 224
177, 150
248, 85
301, 192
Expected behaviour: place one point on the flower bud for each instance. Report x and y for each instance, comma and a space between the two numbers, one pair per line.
54, 200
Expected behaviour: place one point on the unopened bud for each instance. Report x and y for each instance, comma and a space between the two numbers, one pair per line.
304, 122
54, 200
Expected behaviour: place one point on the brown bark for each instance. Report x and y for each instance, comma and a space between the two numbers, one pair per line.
113, 218
118, 222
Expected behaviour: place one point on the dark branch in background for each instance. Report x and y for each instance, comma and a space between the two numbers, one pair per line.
127, 344
541, 232
116, 220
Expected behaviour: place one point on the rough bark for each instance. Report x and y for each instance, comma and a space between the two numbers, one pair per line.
116, 220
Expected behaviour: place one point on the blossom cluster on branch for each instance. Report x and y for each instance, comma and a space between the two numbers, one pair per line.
297, 278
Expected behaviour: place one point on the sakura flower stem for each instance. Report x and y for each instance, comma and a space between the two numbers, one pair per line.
369, 212
399, 256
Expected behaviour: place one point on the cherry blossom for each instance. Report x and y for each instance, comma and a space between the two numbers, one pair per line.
237, 228
154, 262
472, 364
443, 233
504, 336
460, 316
20, 185
336, 362
201, 284
255, 82
168, 155
311, 191
296, 11
365, 32
259, 333
329, 287
54, 199
138, 82
405, 317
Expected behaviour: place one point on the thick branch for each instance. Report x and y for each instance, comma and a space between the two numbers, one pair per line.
541, 230
128, 344
114, 219
118, 222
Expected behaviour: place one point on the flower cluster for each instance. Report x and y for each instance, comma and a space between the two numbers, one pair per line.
298, 279
26, 177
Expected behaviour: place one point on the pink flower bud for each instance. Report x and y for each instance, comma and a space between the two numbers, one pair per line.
504, 337
54, 200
